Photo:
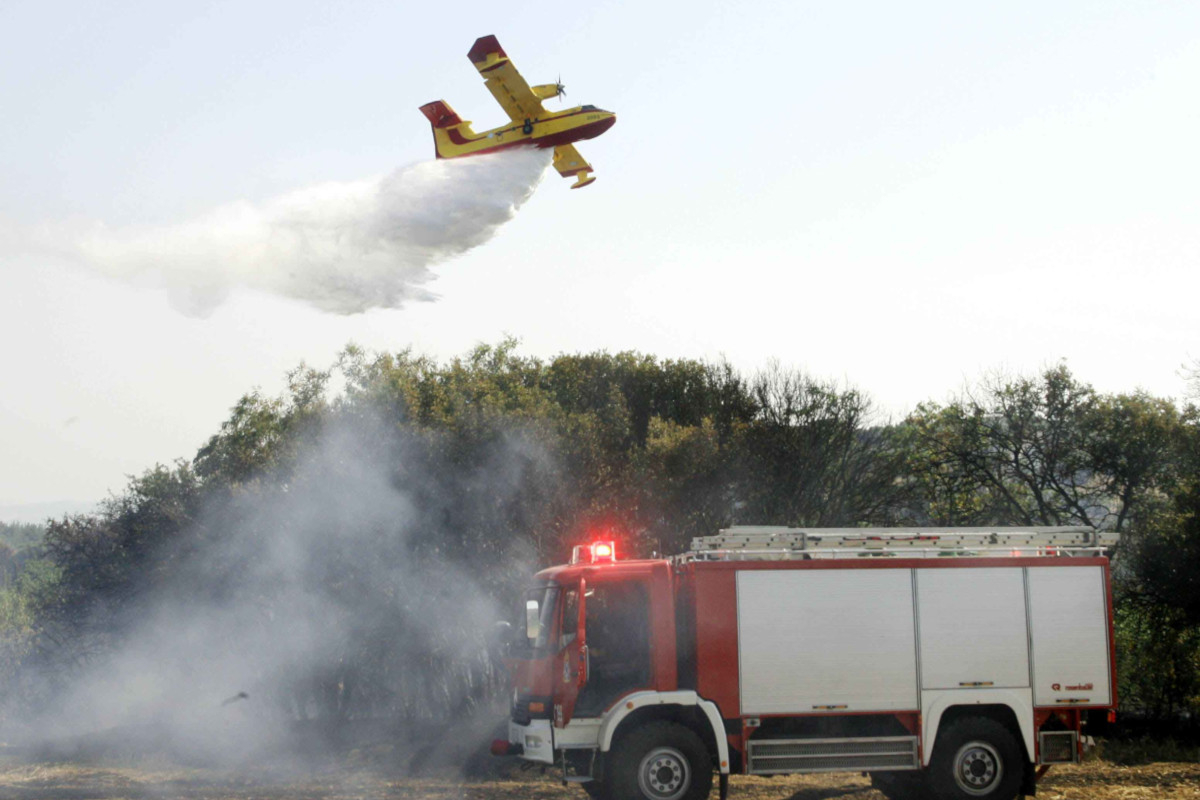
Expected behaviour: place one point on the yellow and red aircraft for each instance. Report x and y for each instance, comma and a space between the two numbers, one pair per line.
531, 126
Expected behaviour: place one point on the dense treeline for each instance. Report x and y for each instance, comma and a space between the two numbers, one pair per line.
354, 544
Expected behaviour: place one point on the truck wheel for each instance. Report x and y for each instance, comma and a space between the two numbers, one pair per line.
660, 761
975, 758
899, 785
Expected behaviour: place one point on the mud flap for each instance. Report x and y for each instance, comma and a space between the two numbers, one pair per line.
723, 779
1029, 783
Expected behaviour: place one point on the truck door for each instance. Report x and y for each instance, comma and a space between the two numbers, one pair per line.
618, 621
571, 663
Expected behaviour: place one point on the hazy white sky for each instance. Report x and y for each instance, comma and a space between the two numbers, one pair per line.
898, 195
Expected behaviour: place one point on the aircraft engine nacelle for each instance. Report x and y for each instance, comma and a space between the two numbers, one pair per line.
547, 91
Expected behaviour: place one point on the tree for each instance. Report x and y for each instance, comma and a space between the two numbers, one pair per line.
263, 432
1164, 570
1039, 451
810, 457
1191, 373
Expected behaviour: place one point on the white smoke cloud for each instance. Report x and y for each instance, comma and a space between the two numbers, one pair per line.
345, 575
341, 247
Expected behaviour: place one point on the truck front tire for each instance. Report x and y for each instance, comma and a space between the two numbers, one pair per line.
660, 761
976, 758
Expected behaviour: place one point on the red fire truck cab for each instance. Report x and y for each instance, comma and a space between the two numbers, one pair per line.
954, 663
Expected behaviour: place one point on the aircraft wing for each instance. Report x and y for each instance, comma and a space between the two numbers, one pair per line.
569, 162
503, 81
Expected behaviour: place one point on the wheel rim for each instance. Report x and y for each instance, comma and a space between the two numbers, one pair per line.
664, 774
977, 768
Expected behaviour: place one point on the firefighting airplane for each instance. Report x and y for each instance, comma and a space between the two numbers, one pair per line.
532, 125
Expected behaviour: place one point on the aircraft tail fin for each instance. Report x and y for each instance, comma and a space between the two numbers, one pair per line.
444, 122
440, 115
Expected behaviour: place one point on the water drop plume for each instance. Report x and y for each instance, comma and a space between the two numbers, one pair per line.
341, 247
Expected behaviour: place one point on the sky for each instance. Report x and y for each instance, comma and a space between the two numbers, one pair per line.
899, 197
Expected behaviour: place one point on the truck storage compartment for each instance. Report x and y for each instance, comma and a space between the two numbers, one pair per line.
826, 640
973, 628
1069, 630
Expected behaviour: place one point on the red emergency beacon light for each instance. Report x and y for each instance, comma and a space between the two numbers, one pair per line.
594, 553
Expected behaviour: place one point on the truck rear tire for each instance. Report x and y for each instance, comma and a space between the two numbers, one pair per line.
976, 758
899, 785
595, 789
660, 761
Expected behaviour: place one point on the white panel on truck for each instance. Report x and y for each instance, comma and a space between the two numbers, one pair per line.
826, 640
1069, 627
973, 628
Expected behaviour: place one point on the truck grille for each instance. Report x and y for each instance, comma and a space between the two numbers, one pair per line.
775, 756
521, 713
520, 709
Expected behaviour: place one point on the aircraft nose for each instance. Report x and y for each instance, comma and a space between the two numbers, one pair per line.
593, 129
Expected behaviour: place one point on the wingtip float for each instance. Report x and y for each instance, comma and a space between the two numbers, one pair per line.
531, 125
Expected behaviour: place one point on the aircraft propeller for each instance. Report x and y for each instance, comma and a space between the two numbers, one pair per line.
560, 90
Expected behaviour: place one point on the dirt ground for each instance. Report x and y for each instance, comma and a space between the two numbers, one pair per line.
73, 781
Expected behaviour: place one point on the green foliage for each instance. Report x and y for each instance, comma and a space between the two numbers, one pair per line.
264, 432
109, 555
1040, 451
810, 457
684, 473
1158, 661
1164, 560
21, 535
24, 601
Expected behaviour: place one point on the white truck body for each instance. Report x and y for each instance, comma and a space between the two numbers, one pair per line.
871, 640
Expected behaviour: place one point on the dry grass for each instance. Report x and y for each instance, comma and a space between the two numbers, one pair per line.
1096, 780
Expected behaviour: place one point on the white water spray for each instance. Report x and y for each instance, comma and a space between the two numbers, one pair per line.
341, 247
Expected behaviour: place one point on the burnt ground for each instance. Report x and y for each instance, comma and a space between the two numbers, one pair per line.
64, 780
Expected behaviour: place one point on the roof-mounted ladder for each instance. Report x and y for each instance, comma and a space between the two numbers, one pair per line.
765, 543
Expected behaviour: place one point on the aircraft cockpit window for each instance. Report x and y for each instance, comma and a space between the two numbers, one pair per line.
589, 108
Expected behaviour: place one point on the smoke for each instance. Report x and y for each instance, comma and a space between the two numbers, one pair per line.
341, 247
357, 582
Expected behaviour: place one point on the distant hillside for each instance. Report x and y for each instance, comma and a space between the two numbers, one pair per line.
39, 512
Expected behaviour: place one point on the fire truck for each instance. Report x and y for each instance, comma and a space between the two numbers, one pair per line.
952, 663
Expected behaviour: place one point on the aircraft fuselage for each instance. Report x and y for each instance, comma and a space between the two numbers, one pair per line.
551, 130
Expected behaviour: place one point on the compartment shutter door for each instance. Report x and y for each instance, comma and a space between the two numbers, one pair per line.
1069, 626
973, 627
812, 640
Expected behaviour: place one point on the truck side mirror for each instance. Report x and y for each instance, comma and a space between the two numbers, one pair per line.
500, 641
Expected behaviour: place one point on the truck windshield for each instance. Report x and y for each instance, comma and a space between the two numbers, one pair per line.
537, 618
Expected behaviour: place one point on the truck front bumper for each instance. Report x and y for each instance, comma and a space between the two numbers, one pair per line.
533, 742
